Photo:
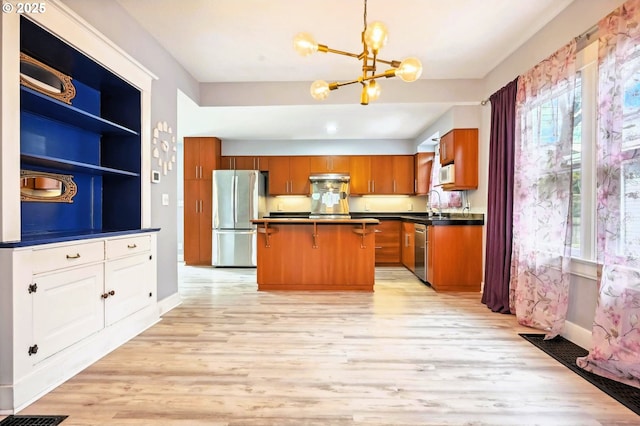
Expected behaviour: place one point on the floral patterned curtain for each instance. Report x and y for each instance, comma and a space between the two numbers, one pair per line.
615, 349
541, 252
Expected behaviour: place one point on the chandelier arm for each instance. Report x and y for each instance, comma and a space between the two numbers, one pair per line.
339, 52
391, 72
394, 64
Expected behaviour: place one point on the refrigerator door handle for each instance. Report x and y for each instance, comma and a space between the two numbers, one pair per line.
235, 199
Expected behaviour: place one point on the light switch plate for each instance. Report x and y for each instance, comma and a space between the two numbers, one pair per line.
165, 199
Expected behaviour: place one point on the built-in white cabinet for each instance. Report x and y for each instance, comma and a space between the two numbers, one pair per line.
72, 303
77, 279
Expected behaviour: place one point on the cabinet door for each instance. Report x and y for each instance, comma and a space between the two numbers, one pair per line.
388, 235
382, 174
408, 246
201, 157
197, 222
403, 174
262, 163
191, 158
329, 164
245, 163
360, 171
423, 165
67, 307
226, 163
278, 175
128, 286
299, 175
447, 148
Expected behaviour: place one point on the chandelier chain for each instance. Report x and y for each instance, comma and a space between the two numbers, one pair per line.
365, 15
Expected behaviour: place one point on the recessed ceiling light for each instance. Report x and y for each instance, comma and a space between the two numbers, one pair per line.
332, 128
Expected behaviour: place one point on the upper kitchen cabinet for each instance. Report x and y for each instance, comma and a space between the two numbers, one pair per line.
423, 166
381, 174
245, 163
460, 147
201, 157
403, 174
289, 175
329, 164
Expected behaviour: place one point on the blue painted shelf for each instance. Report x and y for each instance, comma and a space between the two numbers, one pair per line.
72, 166
38, 103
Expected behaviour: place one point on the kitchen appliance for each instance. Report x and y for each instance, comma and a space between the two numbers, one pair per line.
421, 251
329, 196
238, 197
447, 174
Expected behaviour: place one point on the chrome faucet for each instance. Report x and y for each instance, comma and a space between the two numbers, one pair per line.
430, 204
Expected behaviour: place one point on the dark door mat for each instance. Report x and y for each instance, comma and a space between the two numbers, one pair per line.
32, 420
566, 353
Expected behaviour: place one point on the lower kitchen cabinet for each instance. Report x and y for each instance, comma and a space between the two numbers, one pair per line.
454, 257
408, 246
388, 235
71, 304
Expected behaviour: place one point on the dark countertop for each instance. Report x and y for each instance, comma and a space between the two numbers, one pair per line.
417, 217
306, 220
58, 237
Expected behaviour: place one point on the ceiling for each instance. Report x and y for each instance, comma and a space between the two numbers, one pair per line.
249, 41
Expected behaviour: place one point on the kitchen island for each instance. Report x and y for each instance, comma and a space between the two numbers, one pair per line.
303, 254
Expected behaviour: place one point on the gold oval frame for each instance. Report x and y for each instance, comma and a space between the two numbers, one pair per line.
69, 190
67, 91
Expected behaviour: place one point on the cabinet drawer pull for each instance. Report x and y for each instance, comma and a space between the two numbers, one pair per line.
131, 246
73, 256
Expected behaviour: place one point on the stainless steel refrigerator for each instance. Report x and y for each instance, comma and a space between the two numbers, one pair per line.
238, 197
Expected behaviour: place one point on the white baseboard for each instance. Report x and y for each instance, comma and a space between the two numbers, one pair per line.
577, 334
169, 303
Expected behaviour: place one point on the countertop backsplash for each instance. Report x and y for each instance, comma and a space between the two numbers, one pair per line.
356, 204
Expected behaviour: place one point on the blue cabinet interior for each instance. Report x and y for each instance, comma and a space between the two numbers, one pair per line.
96, 139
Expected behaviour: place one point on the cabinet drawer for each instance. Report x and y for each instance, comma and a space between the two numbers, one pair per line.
49, 259
127, 246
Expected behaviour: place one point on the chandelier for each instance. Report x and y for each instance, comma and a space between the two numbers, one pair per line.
374, 37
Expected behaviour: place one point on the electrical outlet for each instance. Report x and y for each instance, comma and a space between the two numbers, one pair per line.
410, 207
366, 207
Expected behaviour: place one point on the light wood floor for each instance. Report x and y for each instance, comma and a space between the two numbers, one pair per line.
404, 355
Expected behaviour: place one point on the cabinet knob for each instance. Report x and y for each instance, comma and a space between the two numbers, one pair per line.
104, 295
112, 293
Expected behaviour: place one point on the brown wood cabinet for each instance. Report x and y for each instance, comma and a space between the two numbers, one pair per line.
201, 157
460, 147
388, 235
408, 245
403, 174
381, 174
329, 164
289, 175
454, 257
423, 167
242, 162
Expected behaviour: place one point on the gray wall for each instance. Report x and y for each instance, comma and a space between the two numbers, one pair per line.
114, 22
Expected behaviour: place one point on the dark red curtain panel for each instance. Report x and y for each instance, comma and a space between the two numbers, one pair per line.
500, 200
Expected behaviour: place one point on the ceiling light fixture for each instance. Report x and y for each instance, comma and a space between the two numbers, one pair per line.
374, 37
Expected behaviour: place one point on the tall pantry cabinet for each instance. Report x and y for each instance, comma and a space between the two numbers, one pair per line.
201, 158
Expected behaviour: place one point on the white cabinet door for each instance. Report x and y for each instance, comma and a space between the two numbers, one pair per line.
67, 307
129, 286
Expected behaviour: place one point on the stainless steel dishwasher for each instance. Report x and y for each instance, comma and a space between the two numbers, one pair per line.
421, 251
